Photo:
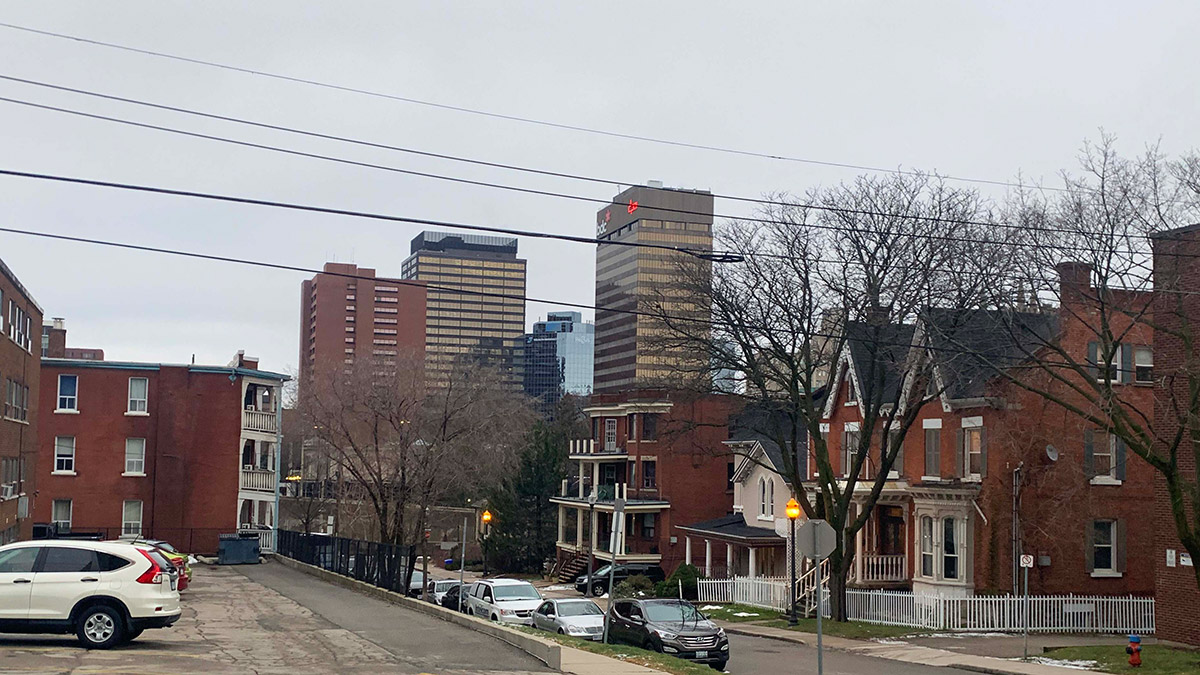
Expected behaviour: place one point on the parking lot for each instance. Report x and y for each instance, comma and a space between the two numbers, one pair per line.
271, 619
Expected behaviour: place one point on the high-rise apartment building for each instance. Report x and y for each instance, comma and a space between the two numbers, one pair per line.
19, 377
632, 278
475, 306
558, 358
348, 313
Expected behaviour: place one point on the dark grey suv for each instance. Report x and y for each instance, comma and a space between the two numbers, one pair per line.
672, 627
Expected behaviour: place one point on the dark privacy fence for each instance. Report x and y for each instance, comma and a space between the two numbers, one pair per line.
381, 565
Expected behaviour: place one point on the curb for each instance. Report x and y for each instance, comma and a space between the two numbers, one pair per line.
781, 638
548, 652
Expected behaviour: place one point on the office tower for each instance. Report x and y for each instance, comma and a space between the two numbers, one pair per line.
347, 313
558, 359
632, 278
475, 307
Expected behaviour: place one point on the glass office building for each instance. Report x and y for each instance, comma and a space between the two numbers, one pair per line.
558, 357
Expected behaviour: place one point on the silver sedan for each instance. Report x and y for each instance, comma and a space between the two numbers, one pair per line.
577, 617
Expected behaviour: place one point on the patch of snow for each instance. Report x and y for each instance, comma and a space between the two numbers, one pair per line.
745, 614
1062, 663
559, 588
889, 641
709, 608
962, 635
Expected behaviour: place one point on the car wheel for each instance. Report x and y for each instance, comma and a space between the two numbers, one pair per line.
597, 590
561, 632
99, 627
495, 618
649, 645
718, 666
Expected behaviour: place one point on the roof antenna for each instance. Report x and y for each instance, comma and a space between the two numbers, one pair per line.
193, 359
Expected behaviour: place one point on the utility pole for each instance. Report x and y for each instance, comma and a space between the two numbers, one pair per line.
591, 535
462, 563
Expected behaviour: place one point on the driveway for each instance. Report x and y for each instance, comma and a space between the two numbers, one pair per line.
270, 619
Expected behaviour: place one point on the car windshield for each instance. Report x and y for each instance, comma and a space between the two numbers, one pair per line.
584, 608
672, 612
516, 592
443, 586
603, 571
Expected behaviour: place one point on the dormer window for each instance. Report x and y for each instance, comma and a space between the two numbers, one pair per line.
851, 394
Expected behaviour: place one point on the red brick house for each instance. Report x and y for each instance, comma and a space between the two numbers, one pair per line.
665, 455
989, 471
20, 315
177, 452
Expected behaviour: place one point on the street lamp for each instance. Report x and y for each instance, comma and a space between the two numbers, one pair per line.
793, 512
487, 524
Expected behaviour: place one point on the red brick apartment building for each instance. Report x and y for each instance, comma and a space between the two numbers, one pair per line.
987, 453
343, 318
19, 315
665, 454
1177, 283
179, 452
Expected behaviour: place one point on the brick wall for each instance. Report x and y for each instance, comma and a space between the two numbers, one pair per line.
18, 438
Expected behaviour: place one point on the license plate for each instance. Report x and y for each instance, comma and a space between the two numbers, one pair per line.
173, 582
702, 655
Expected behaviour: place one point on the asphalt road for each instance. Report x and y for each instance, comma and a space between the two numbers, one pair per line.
762, 656
420, 642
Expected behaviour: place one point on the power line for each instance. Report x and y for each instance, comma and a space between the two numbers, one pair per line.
503, 116
561, 195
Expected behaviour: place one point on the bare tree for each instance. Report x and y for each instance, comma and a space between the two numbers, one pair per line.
844, 274
401, 445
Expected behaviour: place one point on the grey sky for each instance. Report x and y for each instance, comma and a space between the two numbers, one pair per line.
981, 90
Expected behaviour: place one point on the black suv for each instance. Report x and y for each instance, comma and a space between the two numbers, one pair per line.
622, 572
672, 627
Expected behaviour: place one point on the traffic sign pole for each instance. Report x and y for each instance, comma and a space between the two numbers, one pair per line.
816, 531
1026, 563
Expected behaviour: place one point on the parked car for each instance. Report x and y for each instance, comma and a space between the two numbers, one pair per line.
622, 572
504, 600
179, 560
416, 584
672, 627
450, 598
580, 618
106, 593
438, 587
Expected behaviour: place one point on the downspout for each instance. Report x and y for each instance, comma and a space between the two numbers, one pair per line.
1016, 527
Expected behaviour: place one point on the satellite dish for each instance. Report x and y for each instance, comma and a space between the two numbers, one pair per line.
1052, 453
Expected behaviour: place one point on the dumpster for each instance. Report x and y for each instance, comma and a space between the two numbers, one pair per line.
238, 549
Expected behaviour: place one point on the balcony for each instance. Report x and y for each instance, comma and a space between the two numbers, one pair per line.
883, 569
257, 479
587, 448
263, 421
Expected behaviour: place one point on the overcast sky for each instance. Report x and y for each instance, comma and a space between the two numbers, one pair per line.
983, 90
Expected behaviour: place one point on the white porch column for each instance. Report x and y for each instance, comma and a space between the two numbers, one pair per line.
753, 562
562, 522
621, 524
729, 560
859, 540
582, 466
578, 527
707, 557
687, 550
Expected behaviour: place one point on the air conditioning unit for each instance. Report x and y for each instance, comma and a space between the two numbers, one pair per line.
8, 490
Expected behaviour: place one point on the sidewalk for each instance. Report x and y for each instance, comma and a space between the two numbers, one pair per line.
897, 650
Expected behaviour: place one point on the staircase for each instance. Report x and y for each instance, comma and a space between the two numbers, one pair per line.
572, 569
812, 585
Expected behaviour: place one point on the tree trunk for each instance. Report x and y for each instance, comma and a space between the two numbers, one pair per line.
837, 585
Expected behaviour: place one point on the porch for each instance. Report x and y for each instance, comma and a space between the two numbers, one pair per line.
882, 547
727, 547
257, 516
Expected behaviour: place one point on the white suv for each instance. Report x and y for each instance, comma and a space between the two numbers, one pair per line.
503, 600
106, 593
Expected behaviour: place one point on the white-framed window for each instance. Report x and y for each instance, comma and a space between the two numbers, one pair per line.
610, 435
131, 518
927, 546
1104, 547
64, 454
850, 441
139, 389
135, 455
851, 394
949, 549
1104, 453
973, 451
1143, 365
60, 513
68, 392
766, 498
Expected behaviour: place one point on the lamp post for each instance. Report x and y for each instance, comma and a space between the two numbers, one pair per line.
487, 525
793, 512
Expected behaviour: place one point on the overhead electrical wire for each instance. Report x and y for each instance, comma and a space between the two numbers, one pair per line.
502, 116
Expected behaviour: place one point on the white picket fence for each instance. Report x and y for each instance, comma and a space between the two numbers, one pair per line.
984, 614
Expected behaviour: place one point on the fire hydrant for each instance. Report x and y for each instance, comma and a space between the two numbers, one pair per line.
1134, 650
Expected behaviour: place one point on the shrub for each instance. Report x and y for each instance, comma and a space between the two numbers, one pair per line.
688, 574
636, 586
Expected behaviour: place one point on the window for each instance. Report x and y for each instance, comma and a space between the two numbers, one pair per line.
19, 326
135, 456
1143, 365
62, 559
19, 560
610, 435
16, 401
649, 426
138, 388
949, 550
850, 440
648, 525
762, 497
729, 471
927, 546
973, 451
131, 521
60, 514
1102, 454
1111, 371
649, 474
109, 562
64, 454
851, 394
1104, 557
933, 453
68, 392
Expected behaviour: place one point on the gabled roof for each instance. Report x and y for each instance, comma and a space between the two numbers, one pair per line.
734, 527
753, 425
880, 352
966, 343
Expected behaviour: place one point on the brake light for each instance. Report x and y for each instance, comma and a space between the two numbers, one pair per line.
152, 575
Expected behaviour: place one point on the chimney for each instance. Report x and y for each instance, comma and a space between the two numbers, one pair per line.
56, 346
1074, 281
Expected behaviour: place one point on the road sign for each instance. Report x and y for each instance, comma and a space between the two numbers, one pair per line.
1026, 561
815, 539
